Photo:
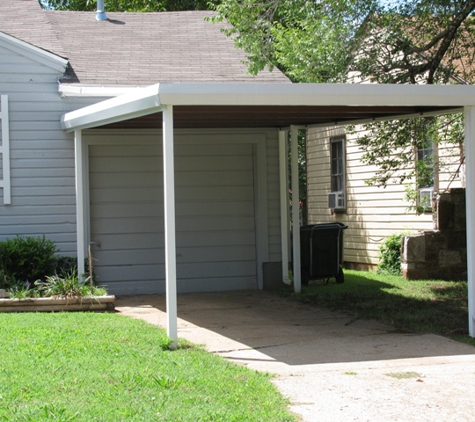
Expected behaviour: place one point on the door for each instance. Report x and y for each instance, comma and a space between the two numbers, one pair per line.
215, 216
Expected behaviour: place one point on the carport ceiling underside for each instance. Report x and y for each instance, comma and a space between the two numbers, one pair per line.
189, 117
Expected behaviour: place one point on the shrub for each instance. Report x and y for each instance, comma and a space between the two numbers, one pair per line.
390, 255
26, 259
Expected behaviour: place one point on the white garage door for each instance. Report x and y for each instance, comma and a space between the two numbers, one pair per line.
216, 241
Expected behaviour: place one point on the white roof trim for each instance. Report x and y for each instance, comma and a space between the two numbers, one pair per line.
140, 102
94, 91
143, 101
385, 118
316, 94
41, 56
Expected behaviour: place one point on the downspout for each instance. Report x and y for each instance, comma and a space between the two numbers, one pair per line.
101, 12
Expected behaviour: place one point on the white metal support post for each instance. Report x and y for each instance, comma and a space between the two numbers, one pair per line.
79, 165
170, 241
470, 207
294, 150
284, 203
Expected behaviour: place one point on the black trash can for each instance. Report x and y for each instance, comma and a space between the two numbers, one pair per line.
321, 251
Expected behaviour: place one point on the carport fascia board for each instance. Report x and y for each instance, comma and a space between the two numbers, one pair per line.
152, 99
259, 94
139, 103
158, 97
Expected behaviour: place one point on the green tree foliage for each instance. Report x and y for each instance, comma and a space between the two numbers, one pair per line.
405, 41
128, 5
310, 41
414, 41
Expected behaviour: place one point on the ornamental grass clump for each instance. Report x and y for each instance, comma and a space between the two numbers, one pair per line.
68, 286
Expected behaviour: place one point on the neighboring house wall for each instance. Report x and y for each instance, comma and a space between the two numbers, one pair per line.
372, 214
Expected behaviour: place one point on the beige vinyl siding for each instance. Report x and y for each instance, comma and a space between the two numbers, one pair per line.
372, 213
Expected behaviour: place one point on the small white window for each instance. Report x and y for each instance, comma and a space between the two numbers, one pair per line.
426, 175
337, 195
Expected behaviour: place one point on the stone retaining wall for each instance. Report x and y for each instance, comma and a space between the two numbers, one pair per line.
441, 253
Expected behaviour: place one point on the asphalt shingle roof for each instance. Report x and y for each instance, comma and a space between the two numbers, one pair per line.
135, 49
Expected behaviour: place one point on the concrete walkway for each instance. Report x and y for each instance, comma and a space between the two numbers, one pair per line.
332, 367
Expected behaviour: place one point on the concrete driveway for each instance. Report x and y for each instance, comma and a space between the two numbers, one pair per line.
331, 366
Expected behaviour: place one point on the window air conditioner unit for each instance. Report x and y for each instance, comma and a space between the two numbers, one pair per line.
336, 200
425, 197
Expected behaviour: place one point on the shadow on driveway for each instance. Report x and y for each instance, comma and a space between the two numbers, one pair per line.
263, 330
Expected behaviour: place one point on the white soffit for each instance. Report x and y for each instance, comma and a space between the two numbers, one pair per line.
144, 101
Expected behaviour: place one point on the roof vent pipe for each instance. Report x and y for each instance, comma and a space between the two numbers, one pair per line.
100, 13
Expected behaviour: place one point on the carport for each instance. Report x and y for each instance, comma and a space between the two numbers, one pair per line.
284, 106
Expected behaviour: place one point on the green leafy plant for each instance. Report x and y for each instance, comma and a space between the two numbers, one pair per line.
26, 259
390, 255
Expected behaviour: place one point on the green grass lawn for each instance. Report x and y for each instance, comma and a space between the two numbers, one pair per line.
107, 367
432, 306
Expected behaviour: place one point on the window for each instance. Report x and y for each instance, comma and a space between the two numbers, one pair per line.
337, 196
426, 174
338, 164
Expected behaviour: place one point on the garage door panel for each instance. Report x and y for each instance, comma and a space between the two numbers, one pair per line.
215, 208
209, 179
226, 164
124, 209
208, 150
127, 241
216, 269
223, 193
215, 253
224, 238
125, 194
215, 221
126, 225
129, 164
110, 274
114, 180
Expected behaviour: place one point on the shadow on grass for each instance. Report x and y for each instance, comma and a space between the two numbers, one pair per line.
416, 306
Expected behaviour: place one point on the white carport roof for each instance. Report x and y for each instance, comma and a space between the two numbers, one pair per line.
281, 104
268, 105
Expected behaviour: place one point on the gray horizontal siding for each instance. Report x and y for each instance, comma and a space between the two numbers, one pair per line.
42, 154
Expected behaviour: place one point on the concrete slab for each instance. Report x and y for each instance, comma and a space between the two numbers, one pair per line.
331, 366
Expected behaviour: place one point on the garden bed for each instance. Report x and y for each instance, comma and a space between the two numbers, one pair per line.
60, 304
